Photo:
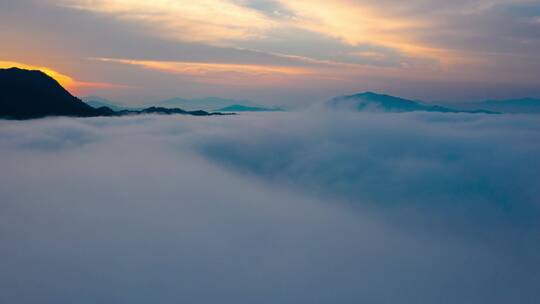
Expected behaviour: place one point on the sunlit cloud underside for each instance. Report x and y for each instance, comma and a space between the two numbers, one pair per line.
223, 21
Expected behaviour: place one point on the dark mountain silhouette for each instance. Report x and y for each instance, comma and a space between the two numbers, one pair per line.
207, 104
168, 111
26, 94
32, 94
241, 108
373, 102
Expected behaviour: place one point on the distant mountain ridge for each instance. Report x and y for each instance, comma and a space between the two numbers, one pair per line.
241, 108
374, 102
98, 102
512, 106
26, 94
207, 104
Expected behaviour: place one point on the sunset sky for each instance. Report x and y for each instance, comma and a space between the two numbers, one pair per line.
278, 51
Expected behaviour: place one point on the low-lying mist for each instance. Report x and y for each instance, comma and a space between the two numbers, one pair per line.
307, 207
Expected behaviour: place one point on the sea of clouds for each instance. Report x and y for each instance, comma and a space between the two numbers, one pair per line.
307, 207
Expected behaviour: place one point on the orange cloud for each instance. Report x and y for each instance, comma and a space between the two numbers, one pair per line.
203, 68
222, 73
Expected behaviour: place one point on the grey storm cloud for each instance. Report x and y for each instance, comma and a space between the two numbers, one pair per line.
307, 207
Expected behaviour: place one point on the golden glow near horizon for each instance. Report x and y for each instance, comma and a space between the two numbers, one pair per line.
64, 80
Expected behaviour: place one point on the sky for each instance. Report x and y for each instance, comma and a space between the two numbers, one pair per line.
290, 52
331, 207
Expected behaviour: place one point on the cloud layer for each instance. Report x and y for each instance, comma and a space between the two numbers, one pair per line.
289, 207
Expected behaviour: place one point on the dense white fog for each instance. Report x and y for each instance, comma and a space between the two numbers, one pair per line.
307, 207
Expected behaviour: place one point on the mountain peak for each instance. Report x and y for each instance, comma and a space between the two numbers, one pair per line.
370, 94
33, 94
375, 102
242, 108
370, 101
